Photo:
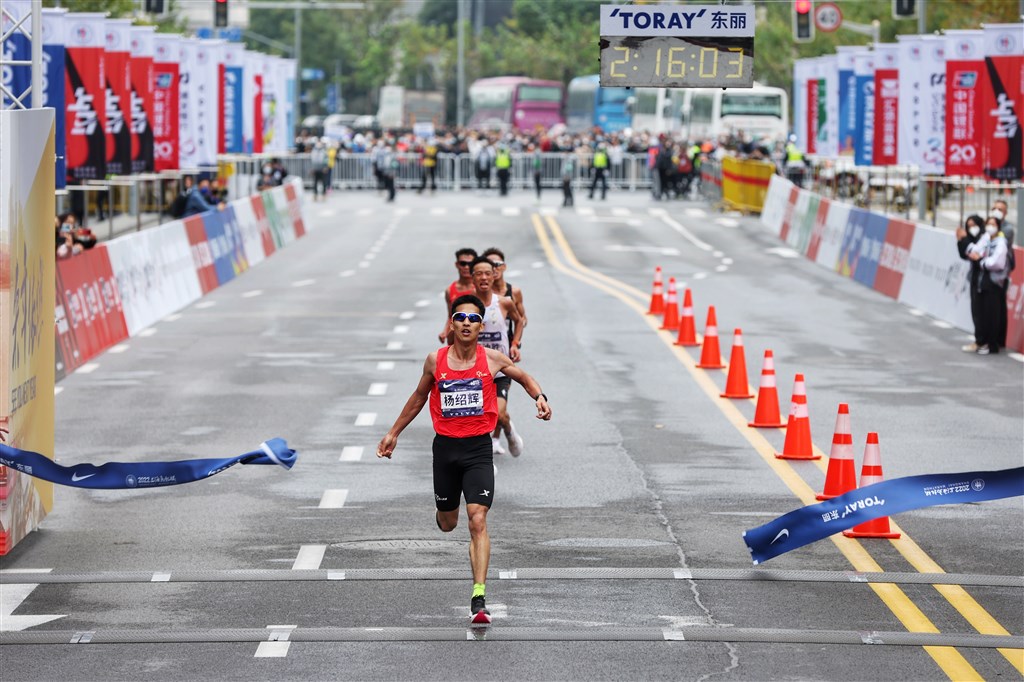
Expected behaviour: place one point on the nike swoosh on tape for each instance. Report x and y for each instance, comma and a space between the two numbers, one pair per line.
784, 533
75, 477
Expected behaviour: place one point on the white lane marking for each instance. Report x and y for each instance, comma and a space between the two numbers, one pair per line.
370, 256
333, 498
537, 264
718, 254
364, 264
119, 348
1016, 356
376, 248
303, 283
148, 331
727, 261
474, 210
253, 293
385, 366
689, 236
394, 345
700, 275
548, 210
290, 356
422, 303
172, 317
202, 305
510, 211
915, 312
309, 557
326, 212
656, 212
278, 645
727, 222
402, 211
346, 273
696, 212
199, 430
57, 389
88, 368
407, 315
377, 388
584, 210
662, 250
366, 419
782, 252
621, 212
364, 212
400, 329
351, 453
942, 324
721, 268
438, 210
11, 598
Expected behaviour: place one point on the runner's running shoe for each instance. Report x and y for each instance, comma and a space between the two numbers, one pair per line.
515, 441
496, 446
478, 609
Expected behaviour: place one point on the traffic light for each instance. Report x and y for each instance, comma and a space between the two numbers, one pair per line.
904, 9
220, 13
803, 22
155, 6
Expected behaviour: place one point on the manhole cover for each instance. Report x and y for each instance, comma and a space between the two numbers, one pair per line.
399, 544
604, 542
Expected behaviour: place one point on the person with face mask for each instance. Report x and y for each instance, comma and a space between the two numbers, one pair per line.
989, 252
1000, 209
966, 236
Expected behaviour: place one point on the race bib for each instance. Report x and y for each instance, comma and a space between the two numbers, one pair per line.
461, 397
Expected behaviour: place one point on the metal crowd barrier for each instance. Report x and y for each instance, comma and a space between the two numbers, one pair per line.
711, 182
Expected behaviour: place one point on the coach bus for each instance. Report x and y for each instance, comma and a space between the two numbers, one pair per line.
590, 105
515, 103
758, 112
656, 110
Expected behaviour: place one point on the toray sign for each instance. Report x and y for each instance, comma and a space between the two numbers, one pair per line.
675, 20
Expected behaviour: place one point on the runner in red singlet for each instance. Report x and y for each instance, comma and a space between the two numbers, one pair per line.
458, 381
460, 287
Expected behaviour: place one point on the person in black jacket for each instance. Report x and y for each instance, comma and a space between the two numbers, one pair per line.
966, 235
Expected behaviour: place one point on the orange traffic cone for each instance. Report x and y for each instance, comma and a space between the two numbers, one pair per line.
766, 410
657, 295
710, 356
687, 330
671, 319
736, 385
798, 443
871, 472
841, 476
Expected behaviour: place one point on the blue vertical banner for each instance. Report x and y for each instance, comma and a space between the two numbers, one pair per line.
846, 125
864, 117
233, 109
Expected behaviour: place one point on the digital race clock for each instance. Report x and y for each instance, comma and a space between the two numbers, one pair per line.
669, 62
677, 46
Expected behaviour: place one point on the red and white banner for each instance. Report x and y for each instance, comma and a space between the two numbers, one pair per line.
85, 97
1003, 102
188, 111
812, 115
887, 91
142, 77
166, 97
965, 74
118, 96
207, 88
92, 306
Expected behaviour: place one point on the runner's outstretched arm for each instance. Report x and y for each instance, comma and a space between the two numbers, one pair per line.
412, 408
501, 363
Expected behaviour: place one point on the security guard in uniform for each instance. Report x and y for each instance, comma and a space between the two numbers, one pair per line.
429, 166
503, 161
600, 171
796, 163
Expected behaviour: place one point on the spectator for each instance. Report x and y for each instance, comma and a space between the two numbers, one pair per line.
990, 254
318, 158
967, 236
196, 201
1000, 209
66, 246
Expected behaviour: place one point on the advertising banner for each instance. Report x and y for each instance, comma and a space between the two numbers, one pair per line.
812, 116
911, 75
202, 254
27, 295
864, 136
266, 233
865, 268
1002, 103
935, 280
88, 293
1015, 305
118, 96
293, 196
800, 71
965, 75
932, 135
832, 236
775, 203
846, 123
155, 272
233, 81
54, 39
271, 103
207, 118
887, 91
892, 263
250, 69
85, 93
166, 96
286, 122
223, 248
188, 145
818, 225
828, 127
142, 82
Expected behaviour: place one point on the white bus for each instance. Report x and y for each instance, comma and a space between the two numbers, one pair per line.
657, 110
760, 112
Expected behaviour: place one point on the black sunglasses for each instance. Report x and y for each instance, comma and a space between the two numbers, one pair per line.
472, 317
464, 263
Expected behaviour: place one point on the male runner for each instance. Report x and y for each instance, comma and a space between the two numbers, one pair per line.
463, 285
497, 258
495, 334
459, 382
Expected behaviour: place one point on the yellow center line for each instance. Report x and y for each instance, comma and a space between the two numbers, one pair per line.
948, 658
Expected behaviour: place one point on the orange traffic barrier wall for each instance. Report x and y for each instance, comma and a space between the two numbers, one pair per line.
745, 183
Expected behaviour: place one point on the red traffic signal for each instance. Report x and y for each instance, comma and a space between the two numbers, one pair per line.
803, 22
220, 13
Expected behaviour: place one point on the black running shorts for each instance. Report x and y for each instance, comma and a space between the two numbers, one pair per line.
463, 466
501, 385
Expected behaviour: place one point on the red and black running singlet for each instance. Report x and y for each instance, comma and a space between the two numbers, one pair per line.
463, 403
454, 291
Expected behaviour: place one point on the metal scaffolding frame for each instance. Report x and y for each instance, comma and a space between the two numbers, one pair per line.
29, 25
